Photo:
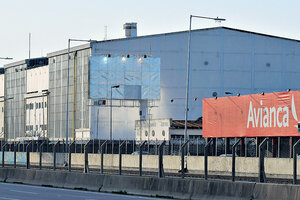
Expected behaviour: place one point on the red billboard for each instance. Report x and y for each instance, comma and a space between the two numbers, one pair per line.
258, 115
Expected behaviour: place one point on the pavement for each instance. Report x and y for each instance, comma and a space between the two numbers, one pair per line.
27, 192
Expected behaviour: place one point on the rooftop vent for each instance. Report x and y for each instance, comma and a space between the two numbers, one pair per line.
130, 30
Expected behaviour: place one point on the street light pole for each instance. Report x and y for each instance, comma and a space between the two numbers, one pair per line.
188, 70
110, 120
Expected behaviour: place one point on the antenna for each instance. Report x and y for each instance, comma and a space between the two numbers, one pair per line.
105, 32
29, 43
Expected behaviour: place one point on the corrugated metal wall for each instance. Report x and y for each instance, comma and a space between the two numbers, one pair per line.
15, 87
58, 75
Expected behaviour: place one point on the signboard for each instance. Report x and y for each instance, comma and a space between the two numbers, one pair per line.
259, 115
138, 77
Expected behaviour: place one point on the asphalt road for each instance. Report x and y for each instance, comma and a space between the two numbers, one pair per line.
19, 192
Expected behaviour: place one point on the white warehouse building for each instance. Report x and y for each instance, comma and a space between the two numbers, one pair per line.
147, 78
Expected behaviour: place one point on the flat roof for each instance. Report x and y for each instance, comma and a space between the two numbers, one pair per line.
72, 49
26, 61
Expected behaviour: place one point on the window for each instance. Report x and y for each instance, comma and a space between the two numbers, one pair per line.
31, 106
153, 133
163, 133
146, 133
36, 105
39, 105
45, 104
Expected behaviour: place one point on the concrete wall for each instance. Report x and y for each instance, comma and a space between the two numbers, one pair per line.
274, 167
175, 188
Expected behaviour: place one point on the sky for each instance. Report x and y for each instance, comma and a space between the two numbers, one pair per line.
52, 22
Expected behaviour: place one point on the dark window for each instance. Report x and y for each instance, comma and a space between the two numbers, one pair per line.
153, 133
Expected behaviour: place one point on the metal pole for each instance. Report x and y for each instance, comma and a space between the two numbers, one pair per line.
41, 150
120, 157
70, 156
206, 159
261, 166
182, 158
86, 158
15, 154
102, 152
54, 155
68, 86
295, 162
28, 156
233, 158
3, 153
141, 158
187, 81
110, 120
160, 160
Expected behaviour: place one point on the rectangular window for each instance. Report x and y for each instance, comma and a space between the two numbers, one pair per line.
39, 105
45, 104
36, 105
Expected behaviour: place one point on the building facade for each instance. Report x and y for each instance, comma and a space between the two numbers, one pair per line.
224, 61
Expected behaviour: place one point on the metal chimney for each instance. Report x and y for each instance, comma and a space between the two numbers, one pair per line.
130, 30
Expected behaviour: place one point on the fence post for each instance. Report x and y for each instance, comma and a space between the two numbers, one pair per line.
86, 158
70, 156
3, 152
120, 157
295, 163
205, 158
102, 152
141, 157
261, 167
41, 151
233, 158
15, 154
28, 155
54, 155
182, 158
160, 160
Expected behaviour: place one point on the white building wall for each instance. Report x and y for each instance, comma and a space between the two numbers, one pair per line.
221, 60
1, 105
1, 85
36, 117
153, 130
36, 114
1, 118
37, 79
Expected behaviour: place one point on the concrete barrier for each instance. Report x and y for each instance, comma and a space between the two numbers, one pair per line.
245, 166
151, 186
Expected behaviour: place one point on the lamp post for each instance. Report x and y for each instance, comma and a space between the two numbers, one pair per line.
68, 86
188, 69
110, 120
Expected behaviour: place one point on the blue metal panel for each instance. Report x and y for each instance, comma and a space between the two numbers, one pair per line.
109, 71
9, 157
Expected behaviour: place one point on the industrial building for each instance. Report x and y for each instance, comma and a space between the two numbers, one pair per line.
143, 78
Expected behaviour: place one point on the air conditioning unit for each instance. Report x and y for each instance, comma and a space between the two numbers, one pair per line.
99, 102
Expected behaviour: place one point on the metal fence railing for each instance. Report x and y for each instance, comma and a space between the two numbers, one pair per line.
234, 147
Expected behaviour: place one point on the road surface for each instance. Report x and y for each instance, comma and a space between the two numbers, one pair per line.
19, 192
